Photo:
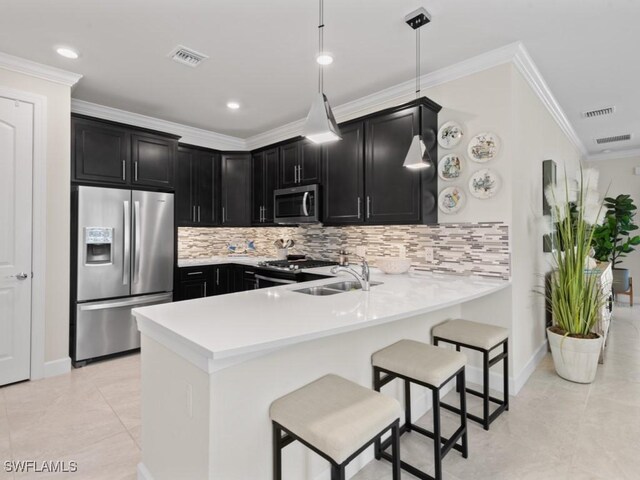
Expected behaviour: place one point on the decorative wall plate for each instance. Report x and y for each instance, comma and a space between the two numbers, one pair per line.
451, 199
484, 183
450, 134
483, 147
450, 167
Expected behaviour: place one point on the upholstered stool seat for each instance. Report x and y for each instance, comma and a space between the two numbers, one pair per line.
334, 417
483, 338
430, 367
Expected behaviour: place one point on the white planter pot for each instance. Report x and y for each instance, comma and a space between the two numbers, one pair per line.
575, 359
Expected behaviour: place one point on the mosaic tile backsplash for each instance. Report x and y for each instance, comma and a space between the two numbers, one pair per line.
470, 248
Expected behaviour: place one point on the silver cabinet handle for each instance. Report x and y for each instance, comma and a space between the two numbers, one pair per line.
295, 174
217, 276
368, 206
126, 233
124, 170
358, 207
136, 241
22, 276
299, 173
198, 213
223, 217
205, 289
194, 273
193, 214
135, 171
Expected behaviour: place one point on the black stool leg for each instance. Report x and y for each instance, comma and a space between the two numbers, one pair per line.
337, 472
457, 383
505, 374
377, 446
485, 389
277, 452
407, 405
395, 450
460, 379
437, 445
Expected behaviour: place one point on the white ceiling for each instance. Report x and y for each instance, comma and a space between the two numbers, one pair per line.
262, 53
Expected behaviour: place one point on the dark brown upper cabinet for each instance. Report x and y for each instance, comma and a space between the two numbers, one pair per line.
153, 158
264, 166
100, 152
343, 176
300, 163
114, 154
197, 187
236, 189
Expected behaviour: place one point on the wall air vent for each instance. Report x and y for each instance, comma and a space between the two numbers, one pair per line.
615, 138
186, 56
599, 112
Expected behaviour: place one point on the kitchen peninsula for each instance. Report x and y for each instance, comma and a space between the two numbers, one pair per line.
212, 366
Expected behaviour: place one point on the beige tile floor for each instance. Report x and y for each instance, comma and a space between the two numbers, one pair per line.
555, 430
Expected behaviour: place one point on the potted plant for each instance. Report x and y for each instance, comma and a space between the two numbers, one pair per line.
574, 296
612, 240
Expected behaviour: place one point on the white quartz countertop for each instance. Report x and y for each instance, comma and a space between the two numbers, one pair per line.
219, 331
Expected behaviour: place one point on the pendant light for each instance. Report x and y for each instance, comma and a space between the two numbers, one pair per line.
321, 126
418, 154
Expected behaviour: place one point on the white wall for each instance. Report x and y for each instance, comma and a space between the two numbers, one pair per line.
58, 208
618, 177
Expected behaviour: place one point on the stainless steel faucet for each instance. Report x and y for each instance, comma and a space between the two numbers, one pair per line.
362, 277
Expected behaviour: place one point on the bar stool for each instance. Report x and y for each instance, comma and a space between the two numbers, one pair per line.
483, 338
430, 367
337, 419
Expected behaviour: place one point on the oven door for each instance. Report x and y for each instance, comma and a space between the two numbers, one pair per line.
297, 205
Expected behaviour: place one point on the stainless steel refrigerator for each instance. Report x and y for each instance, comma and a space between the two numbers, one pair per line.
124, 259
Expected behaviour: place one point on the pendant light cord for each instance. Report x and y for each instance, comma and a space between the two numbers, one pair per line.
418, 62
321, 46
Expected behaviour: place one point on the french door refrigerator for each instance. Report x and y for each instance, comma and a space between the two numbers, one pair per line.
124, 259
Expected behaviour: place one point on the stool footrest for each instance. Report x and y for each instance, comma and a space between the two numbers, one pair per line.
497, 358
473, 417
481, 395
448, 443
408, 467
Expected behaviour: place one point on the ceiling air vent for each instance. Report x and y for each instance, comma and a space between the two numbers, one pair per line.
615, 138
599, 112
186, 56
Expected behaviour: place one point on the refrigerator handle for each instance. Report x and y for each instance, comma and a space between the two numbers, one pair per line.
136, 241
126, 256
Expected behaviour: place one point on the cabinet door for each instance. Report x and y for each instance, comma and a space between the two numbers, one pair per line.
257, 187
208, 183
193, 289
152, 157
100, 152
222, 280
270, 172
185, 191
310, 163
343, 186
236, 189
289, 163
392, 191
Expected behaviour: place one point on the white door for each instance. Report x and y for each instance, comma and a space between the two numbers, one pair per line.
16, 161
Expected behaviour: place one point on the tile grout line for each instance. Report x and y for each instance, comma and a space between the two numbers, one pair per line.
118, 417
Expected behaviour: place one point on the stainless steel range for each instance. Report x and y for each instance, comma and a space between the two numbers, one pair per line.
279, 272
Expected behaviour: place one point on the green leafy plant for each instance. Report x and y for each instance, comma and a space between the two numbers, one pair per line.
574, 296
613, 240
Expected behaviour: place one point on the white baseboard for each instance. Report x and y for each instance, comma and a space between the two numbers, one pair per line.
143, 472
57, 367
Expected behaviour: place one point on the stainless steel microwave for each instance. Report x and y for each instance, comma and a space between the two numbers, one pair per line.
297, 205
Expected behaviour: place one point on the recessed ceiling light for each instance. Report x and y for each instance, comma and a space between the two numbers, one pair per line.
324, 58
67, 53
233, 105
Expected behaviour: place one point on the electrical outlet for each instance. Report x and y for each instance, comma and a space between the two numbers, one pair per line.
361, 251
428, 254
189, 398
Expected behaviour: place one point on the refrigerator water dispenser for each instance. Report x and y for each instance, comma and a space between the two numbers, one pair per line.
98, 243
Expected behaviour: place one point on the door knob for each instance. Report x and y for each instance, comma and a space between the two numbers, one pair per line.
22, 276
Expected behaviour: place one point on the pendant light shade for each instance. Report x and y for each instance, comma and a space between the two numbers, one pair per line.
418, 154
321, 126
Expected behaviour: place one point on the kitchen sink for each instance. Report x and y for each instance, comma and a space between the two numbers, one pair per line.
333, 288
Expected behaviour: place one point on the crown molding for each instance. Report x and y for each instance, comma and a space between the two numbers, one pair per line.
39, 70
190, 135
614, 155
526, 66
